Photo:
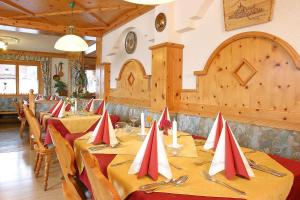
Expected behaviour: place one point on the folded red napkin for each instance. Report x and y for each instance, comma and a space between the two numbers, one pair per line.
214, 135
68, 107
104, 132
53, 107
149, 164
151, 158
100, 108
165, 121
88, 106
57, 109
229, 157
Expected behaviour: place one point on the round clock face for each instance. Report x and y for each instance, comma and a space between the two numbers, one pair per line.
160, 22
130, 42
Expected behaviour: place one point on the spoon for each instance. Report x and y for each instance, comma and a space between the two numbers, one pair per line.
177, 182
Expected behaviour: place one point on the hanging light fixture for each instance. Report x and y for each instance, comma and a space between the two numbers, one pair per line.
71, 42
150, 2
5, 40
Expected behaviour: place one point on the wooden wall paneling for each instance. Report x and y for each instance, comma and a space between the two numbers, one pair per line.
166, 76
133, 85
268, 97
106, 77
98, 66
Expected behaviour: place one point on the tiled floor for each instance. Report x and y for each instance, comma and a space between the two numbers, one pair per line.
17, 180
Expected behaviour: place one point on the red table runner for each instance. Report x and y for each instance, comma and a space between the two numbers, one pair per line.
70, 137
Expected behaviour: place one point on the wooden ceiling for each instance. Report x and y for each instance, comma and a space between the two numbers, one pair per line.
90, 17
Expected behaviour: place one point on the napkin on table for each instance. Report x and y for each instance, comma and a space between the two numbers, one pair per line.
229, 157
151, 158
68, 107
53, 107
90, 106
214, 135
101, 108
165, 120
57, 109
62, 111
104, 132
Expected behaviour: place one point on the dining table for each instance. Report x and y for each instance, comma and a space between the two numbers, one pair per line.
193, 161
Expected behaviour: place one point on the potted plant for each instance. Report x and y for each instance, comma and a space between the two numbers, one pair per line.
61, 88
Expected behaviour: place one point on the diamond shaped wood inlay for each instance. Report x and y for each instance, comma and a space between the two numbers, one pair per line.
130, 79
244, 72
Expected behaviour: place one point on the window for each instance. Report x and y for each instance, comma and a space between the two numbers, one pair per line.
18, 78
7, 79
28, 79
91, 77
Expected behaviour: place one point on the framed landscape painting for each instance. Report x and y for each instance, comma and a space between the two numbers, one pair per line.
242, 13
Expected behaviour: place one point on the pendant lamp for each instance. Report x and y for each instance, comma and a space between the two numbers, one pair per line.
70, 41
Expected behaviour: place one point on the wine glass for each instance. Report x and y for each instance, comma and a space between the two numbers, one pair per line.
133, 117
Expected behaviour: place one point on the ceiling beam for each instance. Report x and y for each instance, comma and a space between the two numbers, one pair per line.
18, 7
47, 27
93, 14
130, 15
77, 11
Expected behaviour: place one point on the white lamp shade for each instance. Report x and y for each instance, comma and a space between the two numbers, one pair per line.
149, 2
71, 43
2, 45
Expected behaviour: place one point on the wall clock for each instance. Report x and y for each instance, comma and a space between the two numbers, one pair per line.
160, 22
130, 42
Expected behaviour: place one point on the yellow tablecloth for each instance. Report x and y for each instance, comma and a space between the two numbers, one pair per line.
75, 123
130, 144
262, 187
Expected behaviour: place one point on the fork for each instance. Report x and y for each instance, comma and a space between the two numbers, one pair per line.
212, 179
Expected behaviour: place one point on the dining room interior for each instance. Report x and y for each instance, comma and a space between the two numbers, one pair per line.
149, 99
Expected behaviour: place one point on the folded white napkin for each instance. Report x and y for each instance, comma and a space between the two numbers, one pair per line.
215, 132
229, 157
153, 162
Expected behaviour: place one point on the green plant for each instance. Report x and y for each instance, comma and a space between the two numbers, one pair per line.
60, 87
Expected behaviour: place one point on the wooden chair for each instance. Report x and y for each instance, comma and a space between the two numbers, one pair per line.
102, 189
41, 151
21, 117
66, 160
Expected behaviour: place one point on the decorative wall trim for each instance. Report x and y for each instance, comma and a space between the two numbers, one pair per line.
133, 85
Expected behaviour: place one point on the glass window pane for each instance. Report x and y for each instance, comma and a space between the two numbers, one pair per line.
28, 79
91, 77
7, 79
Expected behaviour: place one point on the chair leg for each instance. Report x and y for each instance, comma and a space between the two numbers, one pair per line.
36, 161
39, 163
47, 164
22, 127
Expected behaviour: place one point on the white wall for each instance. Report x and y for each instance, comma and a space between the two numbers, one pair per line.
207, 32
56, 61
114, 43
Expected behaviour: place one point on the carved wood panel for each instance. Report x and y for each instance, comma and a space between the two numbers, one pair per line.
252, 77
133, 85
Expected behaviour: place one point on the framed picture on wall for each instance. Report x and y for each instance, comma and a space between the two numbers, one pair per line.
243, 13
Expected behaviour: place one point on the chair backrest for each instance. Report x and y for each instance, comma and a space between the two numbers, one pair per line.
102, 189
34, 126
66, 160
